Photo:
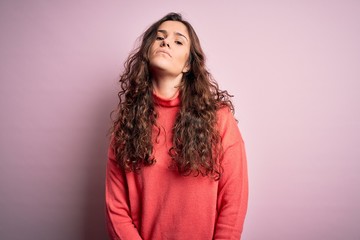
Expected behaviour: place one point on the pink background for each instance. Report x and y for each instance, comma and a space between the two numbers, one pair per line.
293, 66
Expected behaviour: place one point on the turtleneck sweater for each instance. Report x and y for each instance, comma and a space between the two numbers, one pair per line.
158, 203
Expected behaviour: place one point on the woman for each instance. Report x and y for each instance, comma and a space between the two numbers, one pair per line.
177, 164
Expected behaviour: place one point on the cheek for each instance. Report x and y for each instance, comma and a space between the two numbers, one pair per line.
186, 58
150, 50
183, 55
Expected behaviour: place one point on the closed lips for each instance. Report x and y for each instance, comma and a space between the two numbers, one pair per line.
162, 51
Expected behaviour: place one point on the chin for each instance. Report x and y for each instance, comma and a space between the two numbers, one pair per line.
160, 65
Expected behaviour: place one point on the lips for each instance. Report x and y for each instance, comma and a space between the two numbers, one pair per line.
164, 51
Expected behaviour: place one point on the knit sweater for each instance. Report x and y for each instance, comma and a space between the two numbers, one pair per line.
158, 203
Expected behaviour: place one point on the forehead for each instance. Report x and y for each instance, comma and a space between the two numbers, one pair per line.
174, 27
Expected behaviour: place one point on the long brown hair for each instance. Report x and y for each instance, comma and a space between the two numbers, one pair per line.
196, 141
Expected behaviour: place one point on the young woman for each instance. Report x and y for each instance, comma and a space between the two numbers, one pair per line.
177, 164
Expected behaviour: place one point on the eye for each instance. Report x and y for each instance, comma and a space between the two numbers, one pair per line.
159, 38
178, 43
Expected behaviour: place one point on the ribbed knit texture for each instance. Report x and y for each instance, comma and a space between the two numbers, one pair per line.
158, 203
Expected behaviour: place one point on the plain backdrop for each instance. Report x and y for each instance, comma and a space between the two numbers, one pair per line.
292, 66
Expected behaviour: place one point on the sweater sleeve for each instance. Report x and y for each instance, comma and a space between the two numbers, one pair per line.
233, 185
119, 222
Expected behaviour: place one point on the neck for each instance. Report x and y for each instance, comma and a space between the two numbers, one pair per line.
166, 86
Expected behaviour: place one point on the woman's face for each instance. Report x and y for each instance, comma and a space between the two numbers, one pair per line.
169, 53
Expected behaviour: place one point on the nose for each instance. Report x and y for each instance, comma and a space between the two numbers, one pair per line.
164, 43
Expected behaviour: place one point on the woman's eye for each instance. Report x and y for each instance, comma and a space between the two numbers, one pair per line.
178, 43
159, 38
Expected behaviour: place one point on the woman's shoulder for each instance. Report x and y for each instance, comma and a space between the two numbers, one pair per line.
224, 114
227, 125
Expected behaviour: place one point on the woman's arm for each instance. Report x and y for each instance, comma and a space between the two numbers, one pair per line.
233, 185
119, 222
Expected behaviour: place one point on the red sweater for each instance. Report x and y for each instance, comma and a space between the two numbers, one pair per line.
158, 203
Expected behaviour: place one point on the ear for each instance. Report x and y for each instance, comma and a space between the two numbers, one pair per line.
186, 68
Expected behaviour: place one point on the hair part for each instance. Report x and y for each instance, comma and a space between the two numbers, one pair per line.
196, 146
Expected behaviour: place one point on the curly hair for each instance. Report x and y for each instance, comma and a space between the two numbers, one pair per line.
196, 141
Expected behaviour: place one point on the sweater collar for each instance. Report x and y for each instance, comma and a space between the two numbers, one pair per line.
165, 102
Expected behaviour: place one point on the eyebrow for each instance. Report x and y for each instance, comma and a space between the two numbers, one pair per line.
176, 33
